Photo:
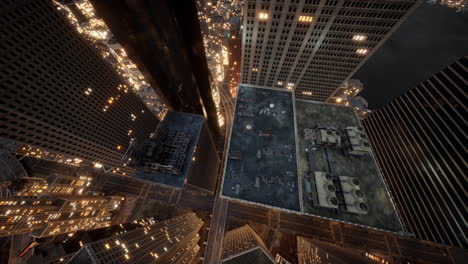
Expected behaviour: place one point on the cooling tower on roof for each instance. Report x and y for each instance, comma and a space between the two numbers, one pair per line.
353, 195
357, 143
326, 190
328, 137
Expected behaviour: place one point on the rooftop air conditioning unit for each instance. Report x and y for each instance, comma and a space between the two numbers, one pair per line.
353, 195
357, 143
326, 191
359, 207
328, 137
349, 183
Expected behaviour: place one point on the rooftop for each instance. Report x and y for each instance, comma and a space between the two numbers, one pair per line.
381, 213
243, 245
257, 255
270, 128
188, 124
261, 164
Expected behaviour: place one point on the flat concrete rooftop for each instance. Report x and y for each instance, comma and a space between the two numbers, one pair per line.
268, 163
381, 213
256, 256
187, 123
261, 164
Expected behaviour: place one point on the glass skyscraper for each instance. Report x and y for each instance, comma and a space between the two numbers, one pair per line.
419, 140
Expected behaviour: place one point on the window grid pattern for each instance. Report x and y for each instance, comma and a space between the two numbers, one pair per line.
315, 57
46, 70
241, 240
171, 241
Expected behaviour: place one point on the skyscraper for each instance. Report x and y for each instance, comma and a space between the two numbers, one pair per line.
53, 206
235, 55
58, 94
180, 154
312, 46
243, 245
419, 140
315, 252
165, 41
171, 241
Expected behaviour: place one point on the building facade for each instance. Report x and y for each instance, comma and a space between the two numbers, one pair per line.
316, 252
57, 92
52, 206
243, 245
171, 241
419, 140
180, 154
235, 56
312, 46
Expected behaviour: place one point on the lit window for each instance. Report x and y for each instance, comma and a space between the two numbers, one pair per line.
359, 37
254, 69
305, 19
306, 93
362, 51
338, 100
263, 16
88, 91
280, 83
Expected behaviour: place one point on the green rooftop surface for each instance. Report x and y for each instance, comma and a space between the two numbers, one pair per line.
381, 213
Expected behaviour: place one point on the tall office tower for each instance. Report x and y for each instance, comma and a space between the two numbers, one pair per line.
312, 46
180, 154
174, 64
171, 241
52, 215
79, 213
419, 140
53, 206
58, 94
235, 57
243, 245
52, 185
316, 252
